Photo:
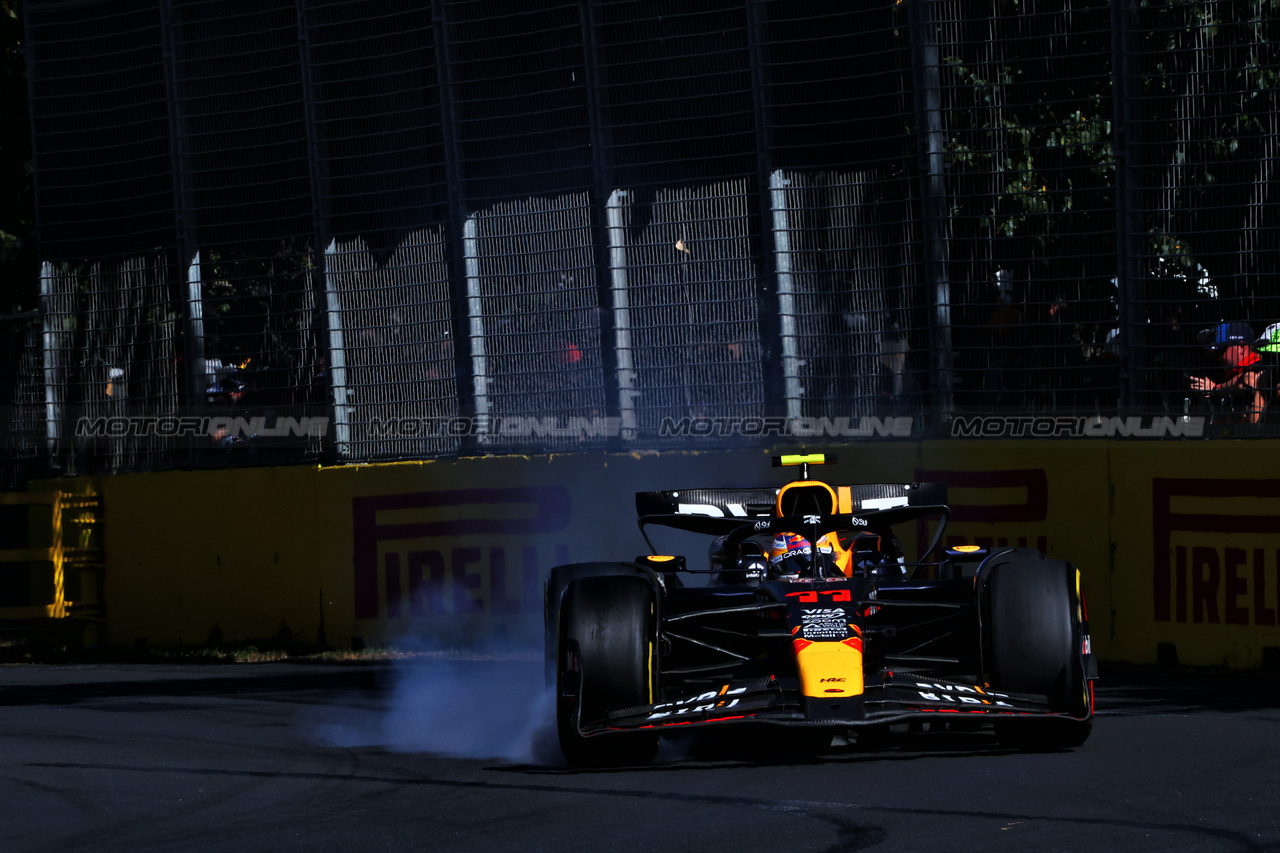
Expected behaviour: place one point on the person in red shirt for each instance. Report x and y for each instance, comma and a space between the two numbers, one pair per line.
1241, 389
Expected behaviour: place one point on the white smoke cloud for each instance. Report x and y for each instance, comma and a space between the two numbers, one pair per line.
488, 706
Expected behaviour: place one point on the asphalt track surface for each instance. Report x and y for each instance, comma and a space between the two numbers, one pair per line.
349, 757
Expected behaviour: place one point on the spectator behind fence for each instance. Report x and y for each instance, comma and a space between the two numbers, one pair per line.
1268, 345
226, 396
1240, 393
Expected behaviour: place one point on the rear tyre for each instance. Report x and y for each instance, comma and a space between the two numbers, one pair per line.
1033, 646
605, 662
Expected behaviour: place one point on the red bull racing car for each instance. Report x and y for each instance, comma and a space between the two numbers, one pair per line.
814, 623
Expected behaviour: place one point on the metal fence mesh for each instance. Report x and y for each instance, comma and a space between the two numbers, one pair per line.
22, 403
398, 365
1204, 88
1026, 96
240, 130
534, 318
99, 109
691, 286
262, 347
111, 353
627, 216
859, 334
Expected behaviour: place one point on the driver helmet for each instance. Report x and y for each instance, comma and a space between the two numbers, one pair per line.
790, 554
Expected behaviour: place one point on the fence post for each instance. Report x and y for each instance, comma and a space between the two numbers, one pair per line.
459, 281
1125, 86
196, 378
615, 360
792, 391
337, 357
198, 369
53, 379
323, 283
475, 327
775, 315
620, 300
932, 141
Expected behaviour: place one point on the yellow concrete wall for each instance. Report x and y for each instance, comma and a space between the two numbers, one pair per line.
1208, 513
465, 543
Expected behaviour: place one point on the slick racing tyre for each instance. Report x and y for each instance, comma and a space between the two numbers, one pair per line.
1033, 637
605, 658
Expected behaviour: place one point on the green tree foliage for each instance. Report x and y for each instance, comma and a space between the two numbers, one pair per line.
1030, 153
1030, 144
1209, 100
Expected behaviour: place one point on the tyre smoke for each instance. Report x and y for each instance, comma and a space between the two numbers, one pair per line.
490, 705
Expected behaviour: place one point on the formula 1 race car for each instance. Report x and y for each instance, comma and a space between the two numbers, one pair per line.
813, 623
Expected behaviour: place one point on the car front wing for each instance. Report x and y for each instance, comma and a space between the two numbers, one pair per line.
898, 697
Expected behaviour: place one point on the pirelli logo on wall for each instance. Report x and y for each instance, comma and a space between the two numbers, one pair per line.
458, 551
1216, 551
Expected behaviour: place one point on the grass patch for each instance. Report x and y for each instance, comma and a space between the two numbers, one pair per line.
20, 650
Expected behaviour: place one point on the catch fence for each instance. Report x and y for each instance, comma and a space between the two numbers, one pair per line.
328, 229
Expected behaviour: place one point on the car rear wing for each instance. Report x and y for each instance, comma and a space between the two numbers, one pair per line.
737, 529
760, 503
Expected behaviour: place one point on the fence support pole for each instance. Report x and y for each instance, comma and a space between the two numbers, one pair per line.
932, 142
198, 372
620, 301
196, 368
53, 380
475, 327
468, 385
322, 282
792, 391
1125, 85
337, 358
618, 375
774, 316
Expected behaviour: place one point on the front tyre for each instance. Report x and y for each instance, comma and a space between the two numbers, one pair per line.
1033, 640
605, 651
